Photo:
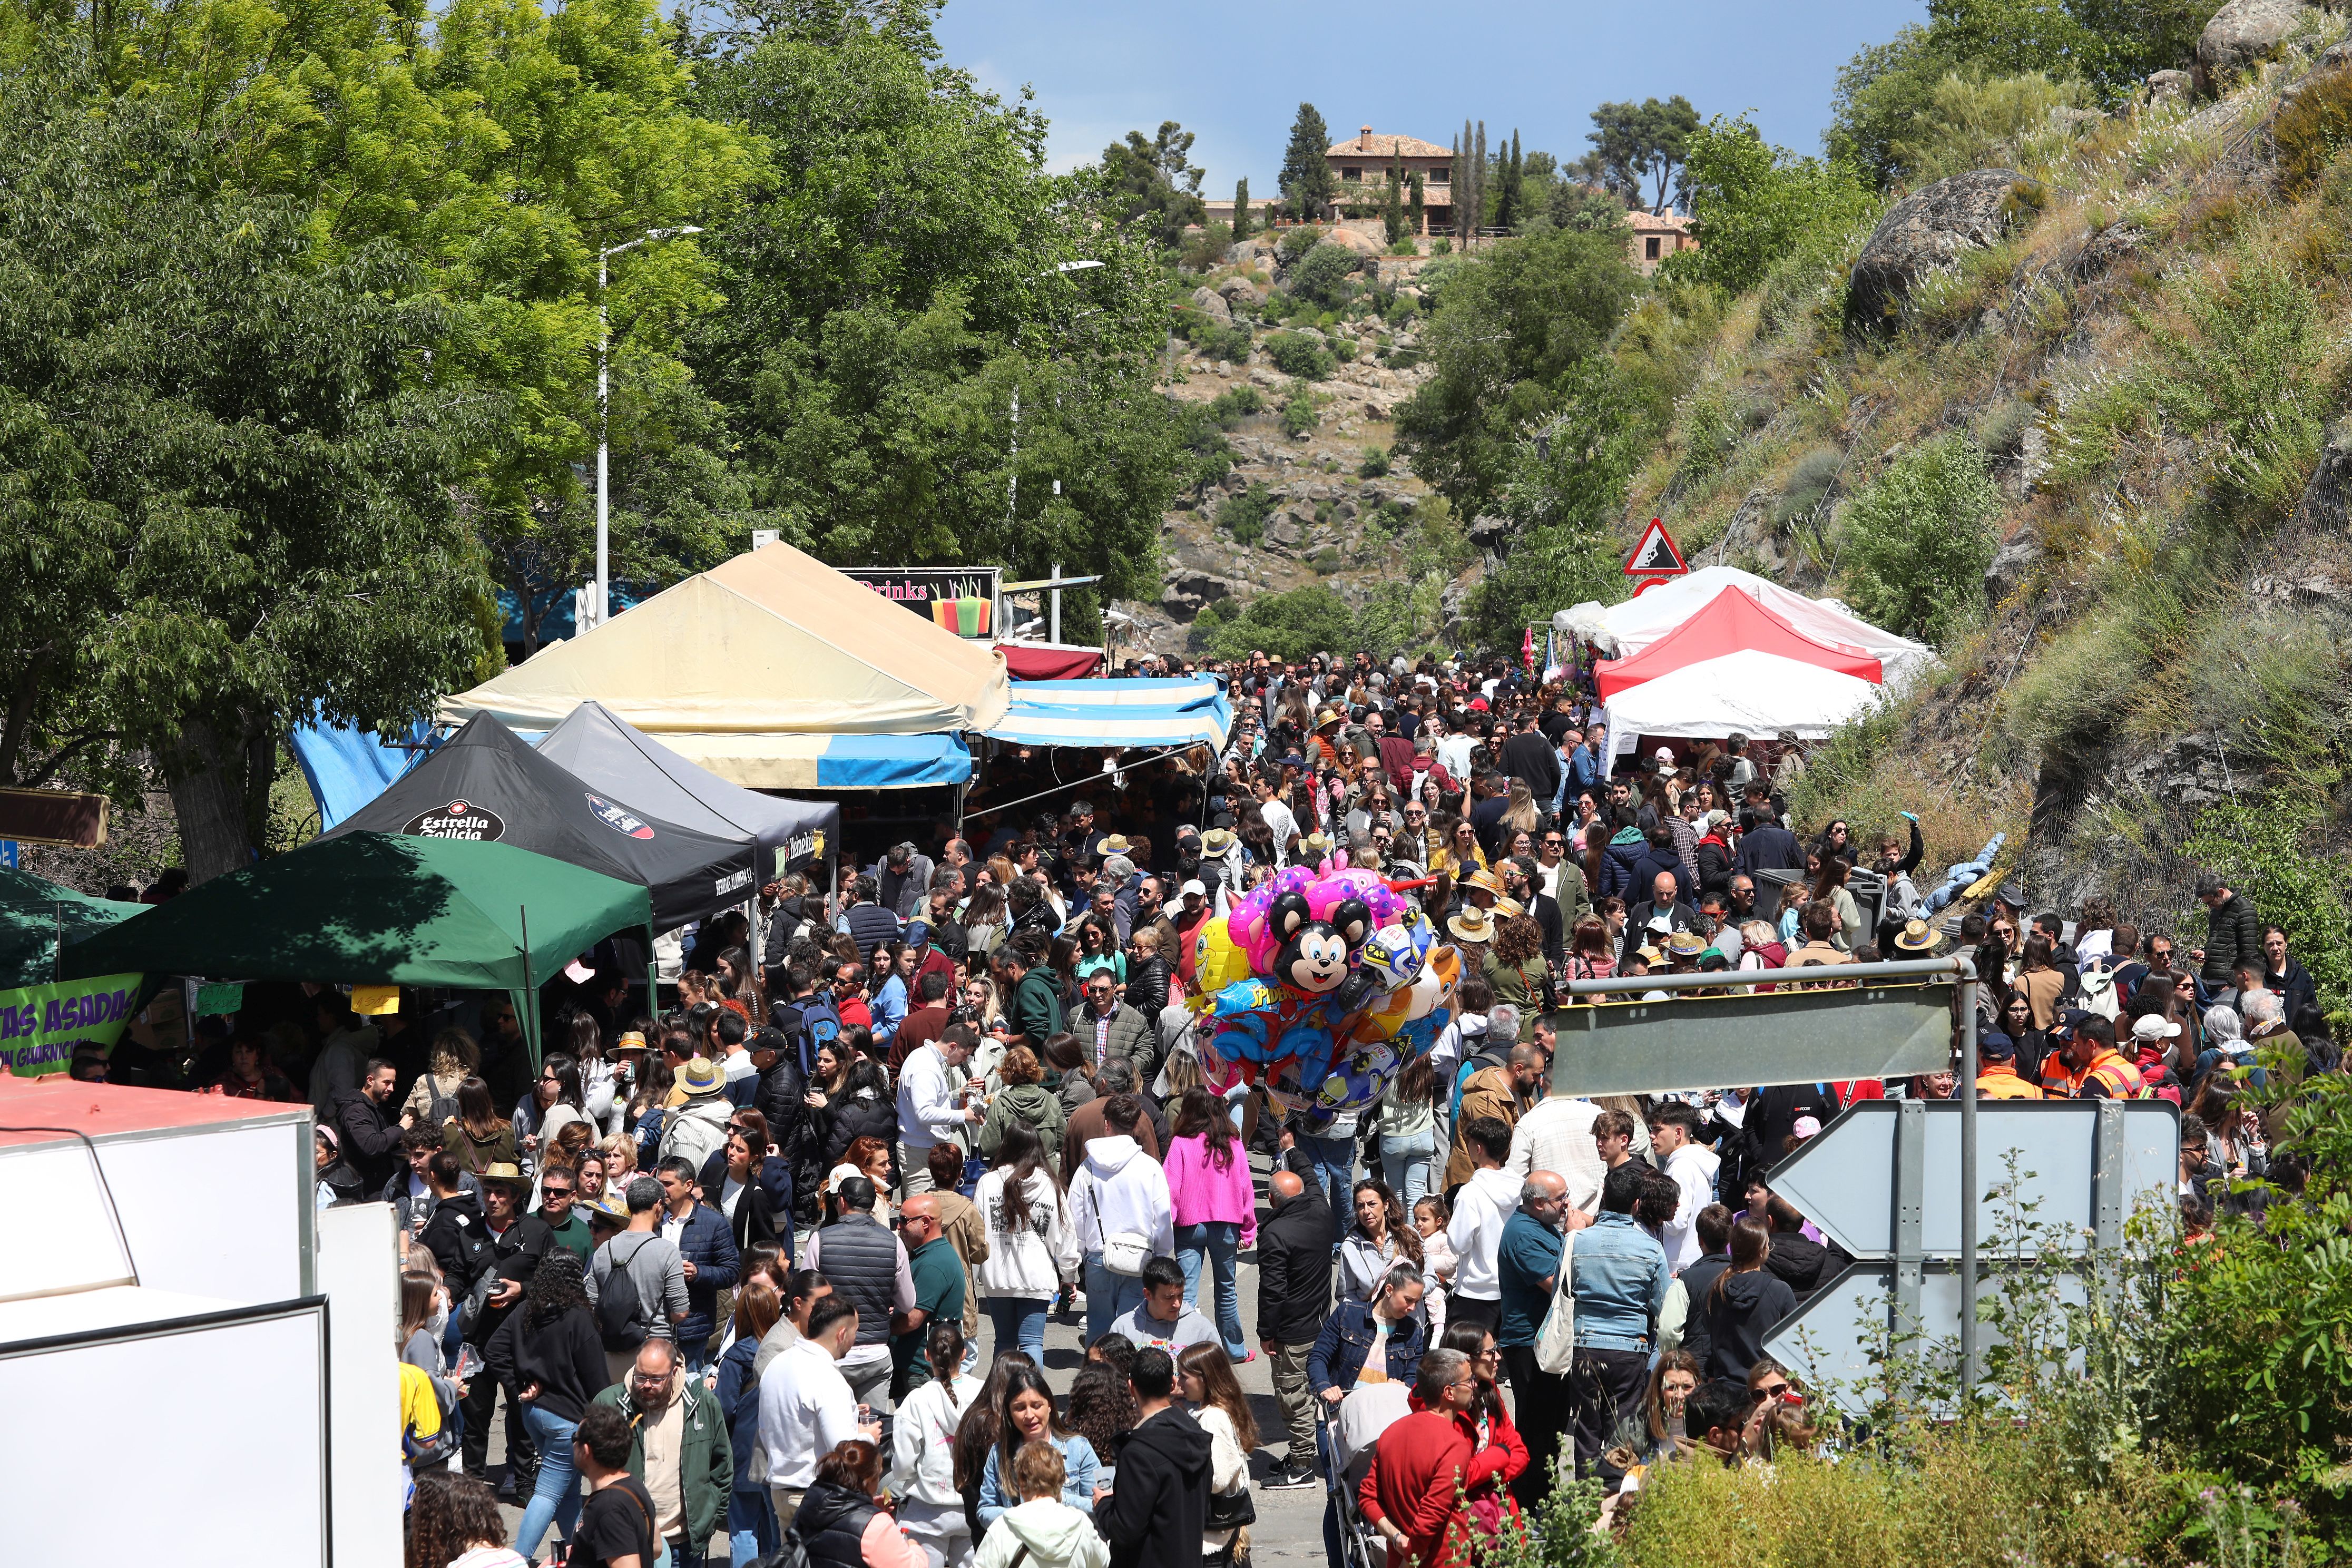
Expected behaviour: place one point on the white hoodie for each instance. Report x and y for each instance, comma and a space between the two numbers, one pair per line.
1693, 1167
922, 1461
1121, 1189
1029, 1260
1057, 1536
1486, 1204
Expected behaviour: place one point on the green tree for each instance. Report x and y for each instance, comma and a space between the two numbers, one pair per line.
1241, 208
1919, 537
228, 471
1288, 626
1416, 209
1469, 183
1754, 203
1643, 146
1511, 324
1155, 183
1507, 212
907, 367
1307, 181
1392, 201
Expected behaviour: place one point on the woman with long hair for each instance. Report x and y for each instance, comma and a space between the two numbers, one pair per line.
1028, 1418
1591, 954
1097, 949
864, 1107
984, 921
751, 1526
1463, 853
1377, 1240
648, 1111
555, 1098
1744, 1303
738, 978
432, 1099
1515, 968
1831, 885
453, 1522
1216, 1208
1672, 1381
1031, 1246
1204, 1378
551, 1353
983, 1424
1498, 1454
479, 1137
922, 1449
1522, 814
598, 1085
2043, 981
867, 1157
1022, 1100
1407, 1122
747, 1203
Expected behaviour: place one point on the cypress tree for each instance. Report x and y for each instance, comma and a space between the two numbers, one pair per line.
1416, 210
1241, 208
1392, 205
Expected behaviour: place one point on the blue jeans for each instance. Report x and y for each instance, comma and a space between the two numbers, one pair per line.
1020, 1322
752, 1532
1335, 1168
1408, 1164
1107, 1296
556, 1498
1218, 1241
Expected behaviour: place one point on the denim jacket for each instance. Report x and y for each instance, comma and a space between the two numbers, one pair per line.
1347, 1339
1619, 1273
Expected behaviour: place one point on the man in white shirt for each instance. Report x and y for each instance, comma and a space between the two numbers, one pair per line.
1674, 1134
1481, 1209
1277, 817
1557, 1135
928, 1112
1453, 749
805, 1405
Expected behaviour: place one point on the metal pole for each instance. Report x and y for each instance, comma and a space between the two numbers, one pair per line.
604, 393
1812, 976
1971, 1365
1053, 611
530, 990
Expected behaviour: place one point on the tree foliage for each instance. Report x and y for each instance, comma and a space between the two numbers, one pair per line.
1307, 181
226, 466
1642, 148
1155, 183
1512, 324
1753, 203
1919, 537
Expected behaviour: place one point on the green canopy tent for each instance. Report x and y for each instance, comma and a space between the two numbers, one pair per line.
379, 909
34, 913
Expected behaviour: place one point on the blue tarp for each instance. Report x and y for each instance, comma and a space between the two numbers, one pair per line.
348, 767
891, 762
1116, 713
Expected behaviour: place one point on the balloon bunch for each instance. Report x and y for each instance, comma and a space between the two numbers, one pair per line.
1324, 981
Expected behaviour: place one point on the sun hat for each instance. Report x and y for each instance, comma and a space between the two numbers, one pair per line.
1216, 841
1506, 908
701, 1076
1115, 845
1472, 924
1918, 936
1685, 944
503, 1171
630, 1040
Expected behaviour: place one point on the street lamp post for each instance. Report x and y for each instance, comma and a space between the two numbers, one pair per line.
604, 398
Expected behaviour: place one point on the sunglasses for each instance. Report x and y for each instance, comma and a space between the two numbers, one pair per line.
548, 1192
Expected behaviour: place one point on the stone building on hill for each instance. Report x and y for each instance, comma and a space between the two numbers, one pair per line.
1651, 238
1362, 165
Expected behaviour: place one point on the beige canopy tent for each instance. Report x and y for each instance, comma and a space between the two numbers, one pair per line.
748, 669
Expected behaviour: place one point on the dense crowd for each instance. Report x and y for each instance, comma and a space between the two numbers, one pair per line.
728, 1265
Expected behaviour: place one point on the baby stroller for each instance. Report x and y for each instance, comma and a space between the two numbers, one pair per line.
1361, 1545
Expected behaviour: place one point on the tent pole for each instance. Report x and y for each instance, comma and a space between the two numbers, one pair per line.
529, 993
652, 975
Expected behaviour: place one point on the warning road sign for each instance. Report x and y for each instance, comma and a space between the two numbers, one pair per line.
1655, 555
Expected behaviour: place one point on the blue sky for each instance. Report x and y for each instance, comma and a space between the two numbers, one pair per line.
1236, 75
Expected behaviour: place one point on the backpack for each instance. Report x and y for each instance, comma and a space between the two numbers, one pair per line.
693, 1139
619, 1309
810, 1026
790, 1552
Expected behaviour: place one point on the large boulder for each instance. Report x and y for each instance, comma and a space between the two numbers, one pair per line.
2243, 34
1238, 287
1213, 303
2172, 86
1927, 231
1353, 239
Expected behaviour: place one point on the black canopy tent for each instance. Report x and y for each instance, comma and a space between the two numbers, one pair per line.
487, 782
614, 755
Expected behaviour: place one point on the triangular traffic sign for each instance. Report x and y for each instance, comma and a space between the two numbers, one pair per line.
1655, 555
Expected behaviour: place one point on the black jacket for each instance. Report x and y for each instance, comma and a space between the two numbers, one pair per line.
1805, 1265
1157, 1510
768, 1195
1697, 1278
565, 1358
1535, 760
371, 1138
514, 1256
852, 1117
1294, 1268
459, 1241
1748, 1307
2232, 933
832, 1524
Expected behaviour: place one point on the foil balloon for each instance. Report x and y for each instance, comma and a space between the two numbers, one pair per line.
1216, 962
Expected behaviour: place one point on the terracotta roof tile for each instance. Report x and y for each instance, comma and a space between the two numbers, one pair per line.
1379, 144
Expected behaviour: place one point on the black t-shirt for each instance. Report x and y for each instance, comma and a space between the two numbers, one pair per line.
616, 1521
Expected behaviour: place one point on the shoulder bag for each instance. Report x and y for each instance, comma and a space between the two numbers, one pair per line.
1555, 1340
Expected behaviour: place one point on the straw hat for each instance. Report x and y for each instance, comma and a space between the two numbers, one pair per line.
1918, 936
1216, 842
1505, 908
1685, 944
1115, 845
1484, 880
701, 1076
503, 1171
1328, 717
1472, 924
630, 1040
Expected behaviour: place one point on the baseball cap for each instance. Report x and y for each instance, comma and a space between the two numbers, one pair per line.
2154, 1027
1194, 886
1997, 1046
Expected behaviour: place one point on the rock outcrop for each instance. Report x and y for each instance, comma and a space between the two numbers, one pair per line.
1929, 230
2241, 35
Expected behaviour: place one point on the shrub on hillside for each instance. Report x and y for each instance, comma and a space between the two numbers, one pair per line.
1229, 407
1299, 355
1375, 465
1243, 516
1298, 411
1919, 537
1325, 275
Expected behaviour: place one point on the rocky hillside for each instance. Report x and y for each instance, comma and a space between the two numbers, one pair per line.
1303, 390
2080, 417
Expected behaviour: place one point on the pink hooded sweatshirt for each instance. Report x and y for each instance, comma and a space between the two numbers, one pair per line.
1202, 1192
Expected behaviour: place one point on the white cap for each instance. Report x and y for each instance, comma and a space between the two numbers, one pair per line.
2154, 1027
1665, 753
1194, 886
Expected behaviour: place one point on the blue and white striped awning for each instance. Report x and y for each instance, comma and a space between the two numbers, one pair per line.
1115, 714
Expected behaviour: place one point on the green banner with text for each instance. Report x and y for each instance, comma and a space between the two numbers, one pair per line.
41, 1027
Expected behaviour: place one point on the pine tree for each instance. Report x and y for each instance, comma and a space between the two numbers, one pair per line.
1306, 183
1241, 208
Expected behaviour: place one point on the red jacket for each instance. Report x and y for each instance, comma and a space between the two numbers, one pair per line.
1420, 1490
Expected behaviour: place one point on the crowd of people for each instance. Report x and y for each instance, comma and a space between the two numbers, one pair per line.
726, 1265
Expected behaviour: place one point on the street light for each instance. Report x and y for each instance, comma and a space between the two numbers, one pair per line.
603, 395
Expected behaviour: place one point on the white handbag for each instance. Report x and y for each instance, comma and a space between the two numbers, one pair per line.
1125, 1254
1555, 1340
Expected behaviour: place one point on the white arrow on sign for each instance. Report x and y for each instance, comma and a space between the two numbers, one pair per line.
1845, 1180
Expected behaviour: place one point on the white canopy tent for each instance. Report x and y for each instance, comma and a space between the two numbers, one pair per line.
1753, 693
1624, 630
